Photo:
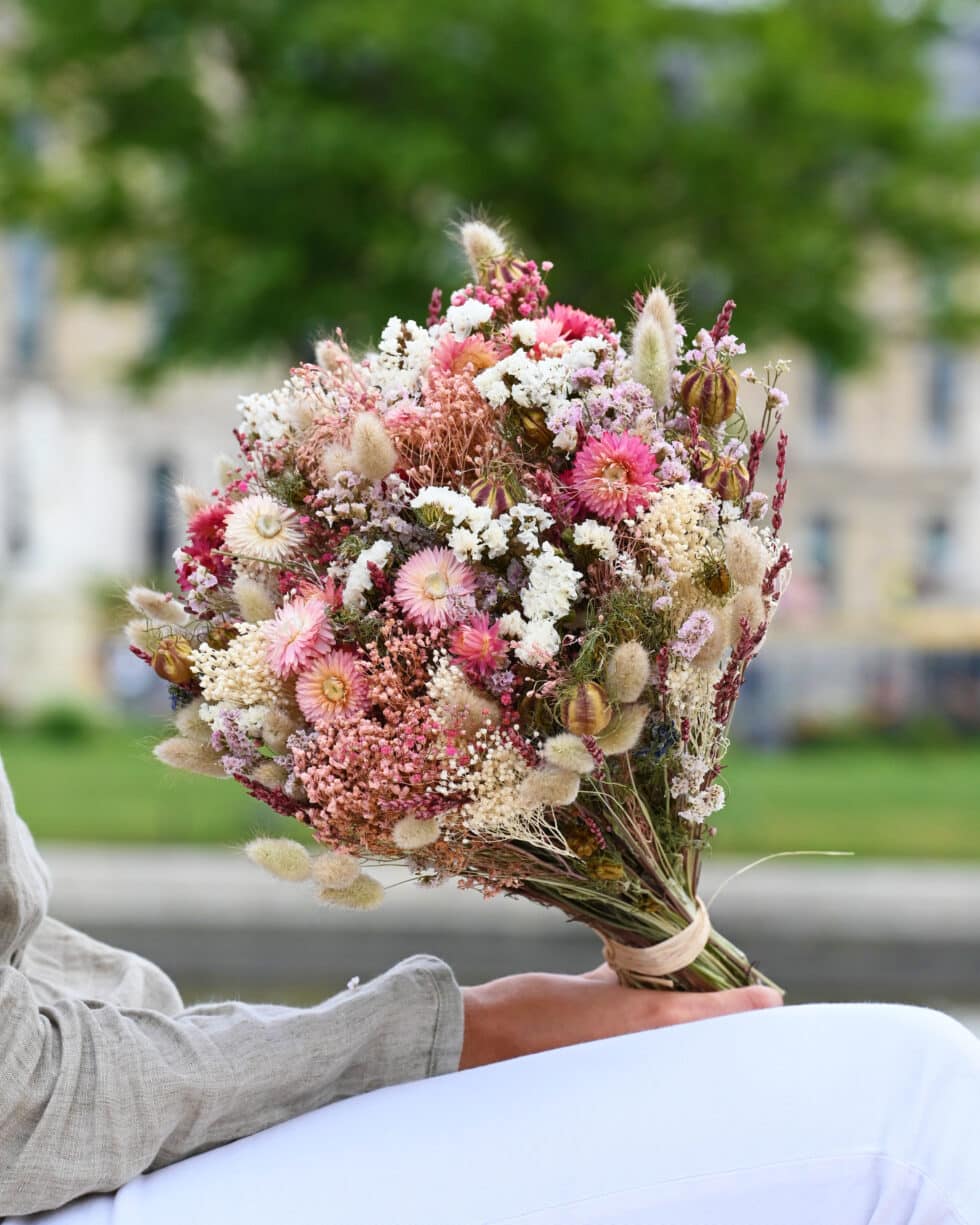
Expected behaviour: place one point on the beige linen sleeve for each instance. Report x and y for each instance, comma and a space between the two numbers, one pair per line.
92, 1095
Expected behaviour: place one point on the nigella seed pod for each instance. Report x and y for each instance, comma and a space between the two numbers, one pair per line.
586, 711
492, 493
172, 661
533, 426
711, 389
717, 578
724, 475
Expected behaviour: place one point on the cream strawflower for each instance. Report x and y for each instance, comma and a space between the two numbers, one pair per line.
260, 529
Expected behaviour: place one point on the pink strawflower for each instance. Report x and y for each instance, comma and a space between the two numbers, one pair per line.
299, 632
473, 354
574, 324
331, 687
479, 647
613, 475
435, 588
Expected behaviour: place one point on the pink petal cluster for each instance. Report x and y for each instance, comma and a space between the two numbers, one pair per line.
435, 588
575, 324
331, 687
473, 354
299, 633
613, 476
478, 646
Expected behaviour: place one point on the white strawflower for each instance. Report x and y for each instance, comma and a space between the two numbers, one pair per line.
282, 857
261, 529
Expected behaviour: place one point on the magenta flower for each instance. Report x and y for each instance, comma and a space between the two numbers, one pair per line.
575, 324
479, 647
332, 686
613, 475
435, 588
299, 632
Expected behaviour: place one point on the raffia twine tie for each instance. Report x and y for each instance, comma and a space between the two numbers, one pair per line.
651, 966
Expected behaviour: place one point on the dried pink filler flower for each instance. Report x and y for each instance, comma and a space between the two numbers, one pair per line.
332, 686
613, 475
479, 647
435, 588
298, 634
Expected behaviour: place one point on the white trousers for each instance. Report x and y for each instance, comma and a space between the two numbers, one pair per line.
815, 1115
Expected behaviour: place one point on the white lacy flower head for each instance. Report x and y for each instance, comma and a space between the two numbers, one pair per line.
240, 674
512, 625
526, 522
459, 507
359, 580
466, 317
538, 645
590, 534
283, 413
543, 384
466, 544
250, 718
552, 586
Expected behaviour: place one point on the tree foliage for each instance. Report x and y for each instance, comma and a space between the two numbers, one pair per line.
269, 168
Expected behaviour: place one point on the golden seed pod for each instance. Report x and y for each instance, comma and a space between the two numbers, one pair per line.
172, 660
724, 475
606, 867
532, 424
586, 711
717, 579
711, 389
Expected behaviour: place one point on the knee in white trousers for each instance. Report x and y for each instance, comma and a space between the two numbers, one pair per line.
814, 1115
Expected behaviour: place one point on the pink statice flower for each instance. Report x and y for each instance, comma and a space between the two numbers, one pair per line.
478, 647
299, 632
435, 588
331, 687
613, 476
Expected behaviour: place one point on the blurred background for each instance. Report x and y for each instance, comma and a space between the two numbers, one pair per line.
190, 194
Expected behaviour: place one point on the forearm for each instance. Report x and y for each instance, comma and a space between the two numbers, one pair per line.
92, 1096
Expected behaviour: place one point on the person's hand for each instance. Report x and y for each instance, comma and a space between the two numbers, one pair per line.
527, 1013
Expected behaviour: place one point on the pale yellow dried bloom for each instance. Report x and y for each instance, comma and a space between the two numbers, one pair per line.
277, 726
654, 346
190, 755
482, 244
746, 556
189, 500
270, 774
567, 752
678, 524
373, 454
365, 893
550, 786
625, 731
240, 674
336, 869
255, 601
189, 723
284, 858
409, 834
627, 672
158, 606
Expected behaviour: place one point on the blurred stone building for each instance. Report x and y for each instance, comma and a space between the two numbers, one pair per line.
883, 613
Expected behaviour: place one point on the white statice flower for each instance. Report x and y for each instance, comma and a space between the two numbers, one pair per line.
251, 719
466, 544
468, 316
538, 645
545, 383
359, 580
524, 331
403, 356
552, 586
590, 534
680, 528
512, 625
583, 354
525, 522
706, 803
495, 539
459, 507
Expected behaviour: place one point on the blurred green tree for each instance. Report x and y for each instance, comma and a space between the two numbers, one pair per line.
267, 168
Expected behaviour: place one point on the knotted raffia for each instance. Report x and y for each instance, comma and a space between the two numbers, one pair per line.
651, 966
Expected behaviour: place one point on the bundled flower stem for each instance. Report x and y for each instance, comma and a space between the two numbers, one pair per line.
481, 601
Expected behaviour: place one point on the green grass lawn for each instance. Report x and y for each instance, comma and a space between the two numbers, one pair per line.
870, 800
